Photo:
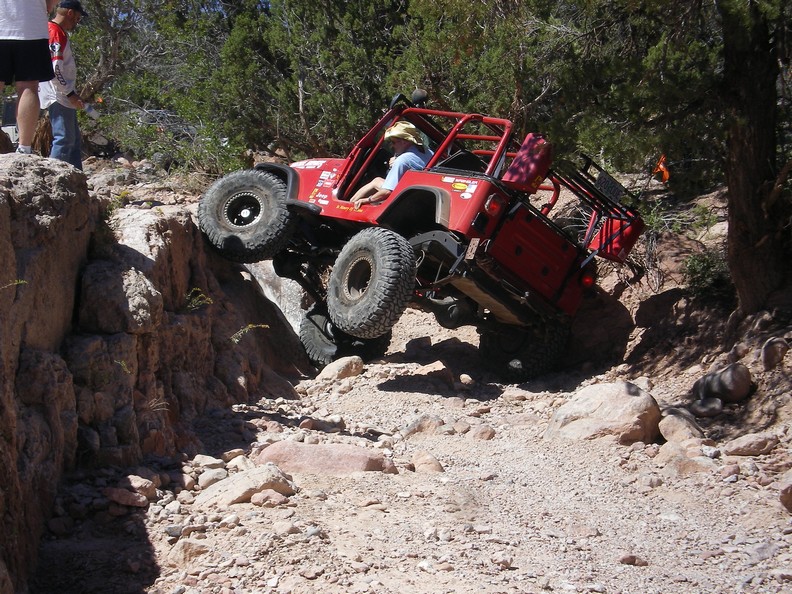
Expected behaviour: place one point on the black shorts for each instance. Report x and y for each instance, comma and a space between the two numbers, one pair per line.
25, 60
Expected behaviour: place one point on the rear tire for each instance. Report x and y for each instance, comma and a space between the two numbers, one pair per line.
371, 283
518, 354
324, 343
244, 216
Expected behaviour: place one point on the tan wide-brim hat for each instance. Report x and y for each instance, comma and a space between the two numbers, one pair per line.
406, 131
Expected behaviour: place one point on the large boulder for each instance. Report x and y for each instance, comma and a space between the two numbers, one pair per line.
240, 487
752, 444
679, 425
731, 384
773, 352
336, 459
619, 410
46, 223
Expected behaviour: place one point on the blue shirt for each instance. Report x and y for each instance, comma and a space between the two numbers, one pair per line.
412, 158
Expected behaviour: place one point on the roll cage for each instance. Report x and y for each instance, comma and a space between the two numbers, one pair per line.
449, 133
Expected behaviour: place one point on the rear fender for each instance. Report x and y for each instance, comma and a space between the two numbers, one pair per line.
417, 208
289, 176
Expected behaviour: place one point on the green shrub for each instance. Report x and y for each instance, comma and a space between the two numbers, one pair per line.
706, 276
172, 143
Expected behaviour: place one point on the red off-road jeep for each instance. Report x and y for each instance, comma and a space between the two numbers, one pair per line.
468, 238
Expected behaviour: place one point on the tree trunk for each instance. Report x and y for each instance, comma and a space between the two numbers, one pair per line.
42, 138
759, 244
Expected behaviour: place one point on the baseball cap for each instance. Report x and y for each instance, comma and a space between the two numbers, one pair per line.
73, 5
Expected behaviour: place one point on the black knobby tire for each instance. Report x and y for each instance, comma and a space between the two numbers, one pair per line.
518, 354
244, 216
371, 283
324, 343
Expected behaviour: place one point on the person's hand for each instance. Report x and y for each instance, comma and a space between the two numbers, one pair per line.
377, 197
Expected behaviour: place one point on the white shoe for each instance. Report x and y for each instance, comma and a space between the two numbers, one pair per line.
24, 151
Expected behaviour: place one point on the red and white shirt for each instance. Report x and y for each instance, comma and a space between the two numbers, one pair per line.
64, 67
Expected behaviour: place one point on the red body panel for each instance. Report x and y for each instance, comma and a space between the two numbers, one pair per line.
544, 260
318, 177
616, 238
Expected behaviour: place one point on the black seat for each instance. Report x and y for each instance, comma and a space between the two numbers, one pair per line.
463, 160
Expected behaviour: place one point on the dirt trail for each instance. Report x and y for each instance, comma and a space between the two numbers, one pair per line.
513, 513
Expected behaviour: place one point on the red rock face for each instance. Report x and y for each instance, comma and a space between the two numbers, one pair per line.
115, 332
46, 220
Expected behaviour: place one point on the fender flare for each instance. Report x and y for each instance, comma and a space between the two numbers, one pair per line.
407, 197
284, 172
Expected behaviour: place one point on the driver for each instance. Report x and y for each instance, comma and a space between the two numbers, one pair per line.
409, 152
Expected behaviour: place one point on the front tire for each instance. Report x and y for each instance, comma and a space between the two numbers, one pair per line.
324, 343
371, 283
518, 354
244, 216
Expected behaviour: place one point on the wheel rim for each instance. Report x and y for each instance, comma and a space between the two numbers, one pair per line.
358, 278
326, 328
243, 209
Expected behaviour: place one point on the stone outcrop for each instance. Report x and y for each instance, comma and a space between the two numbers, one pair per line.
621, 410
117, 329
46, 222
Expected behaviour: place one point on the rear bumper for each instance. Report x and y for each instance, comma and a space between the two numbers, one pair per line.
472, 273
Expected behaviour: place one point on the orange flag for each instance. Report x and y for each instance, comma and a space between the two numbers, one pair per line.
662, 169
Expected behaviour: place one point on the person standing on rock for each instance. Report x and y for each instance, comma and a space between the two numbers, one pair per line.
59, 96
25, 59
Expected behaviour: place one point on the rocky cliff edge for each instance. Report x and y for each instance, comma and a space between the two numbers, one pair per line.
117, 330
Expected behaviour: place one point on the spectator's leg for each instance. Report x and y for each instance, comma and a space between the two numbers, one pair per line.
28, 109
75, 141
65, 135
61, 143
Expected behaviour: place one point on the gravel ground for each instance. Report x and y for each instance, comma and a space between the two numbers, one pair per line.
484, 504
509, 512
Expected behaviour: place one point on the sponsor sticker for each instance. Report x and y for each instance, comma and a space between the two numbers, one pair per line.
312, 164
